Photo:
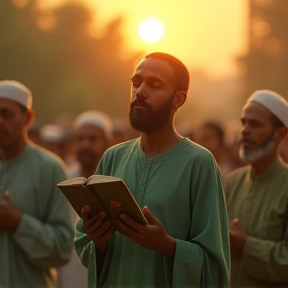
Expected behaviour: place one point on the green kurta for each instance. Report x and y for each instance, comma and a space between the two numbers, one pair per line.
183, 189
261, 205
44, 237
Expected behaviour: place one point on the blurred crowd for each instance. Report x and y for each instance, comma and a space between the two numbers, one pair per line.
63, 137
82, 148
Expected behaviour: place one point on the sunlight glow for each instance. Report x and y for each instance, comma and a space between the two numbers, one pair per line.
150, 30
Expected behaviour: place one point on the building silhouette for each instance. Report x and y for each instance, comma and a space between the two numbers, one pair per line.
266, 62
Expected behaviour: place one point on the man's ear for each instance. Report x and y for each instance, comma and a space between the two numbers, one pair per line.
179, 99
281, 134
30, 115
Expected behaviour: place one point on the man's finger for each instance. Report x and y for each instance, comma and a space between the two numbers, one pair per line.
236, 222
152, 220
6, 196
84, 212
128, 231
97, 224
100, 216
130, 222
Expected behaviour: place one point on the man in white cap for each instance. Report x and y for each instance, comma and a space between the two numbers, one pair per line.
257, 196
92, 137
36, 232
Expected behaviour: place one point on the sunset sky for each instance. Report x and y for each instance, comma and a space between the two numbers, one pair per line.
205, 34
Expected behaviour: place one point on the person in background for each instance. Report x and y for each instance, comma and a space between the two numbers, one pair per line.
120, 131
34, 132
186, 243
36, 233
211, 136
53, 138
257, 196
92, 137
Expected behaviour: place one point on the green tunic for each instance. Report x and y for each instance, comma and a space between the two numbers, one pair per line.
261, 205
44, 237
183, 189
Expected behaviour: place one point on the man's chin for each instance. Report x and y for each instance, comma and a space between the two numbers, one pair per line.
248, 156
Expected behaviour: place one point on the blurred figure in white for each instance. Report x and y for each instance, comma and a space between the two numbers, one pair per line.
120, 131
53, 138
92, 137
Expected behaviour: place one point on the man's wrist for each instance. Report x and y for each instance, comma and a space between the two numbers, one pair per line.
170, 247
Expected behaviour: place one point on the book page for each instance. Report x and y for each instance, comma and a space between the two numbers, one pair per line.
73, 181
101, 179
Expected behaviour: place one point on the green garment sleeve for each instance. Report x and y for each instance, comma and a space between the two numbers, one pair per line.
82, 244
86, 251
204, 260
266, 260
48, 242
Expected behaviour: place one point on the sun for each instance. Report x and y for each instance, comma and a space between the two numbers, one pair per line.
151, 30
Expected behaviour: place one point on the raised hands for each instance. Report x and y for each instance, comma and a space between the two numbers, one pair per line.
10, 215
238, 237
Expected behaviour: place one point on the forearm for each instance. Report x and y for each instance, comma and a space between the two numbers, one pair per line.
44, 244
265, 260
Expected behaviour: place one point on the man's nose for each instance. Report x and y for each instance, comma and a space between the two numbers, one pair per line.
245, 129
141, 91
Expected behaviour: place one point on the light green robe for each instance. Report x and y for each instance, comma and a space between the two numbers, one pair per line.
183, 189
44, 237
261, 205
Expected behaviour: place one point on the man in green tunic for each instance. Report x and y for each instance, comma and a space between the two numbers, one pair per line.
257, 196
36, 233
186, 243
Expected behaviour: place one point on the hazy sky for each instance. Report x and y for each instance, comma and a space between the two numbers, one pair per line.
205, 34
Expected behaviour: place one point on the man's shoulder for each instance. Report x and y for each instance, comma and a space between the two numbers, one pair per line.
121, 147
44, 157
196, 148
196, 152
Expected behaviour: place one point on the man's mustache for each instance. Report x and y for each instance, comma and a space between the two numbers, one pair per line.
246, 139
140, 102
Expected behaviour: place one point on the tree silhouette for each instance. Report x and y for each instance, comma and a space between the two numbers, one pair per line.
67, 69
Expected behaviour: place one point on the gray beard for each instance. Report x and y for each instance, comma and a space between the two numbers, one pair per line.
252, 155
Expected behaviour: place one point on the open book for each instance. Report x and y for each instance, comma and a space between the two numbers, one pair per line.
102, 193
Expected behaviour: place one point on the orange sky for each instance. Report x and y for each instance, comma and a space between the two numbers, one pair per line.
205, 34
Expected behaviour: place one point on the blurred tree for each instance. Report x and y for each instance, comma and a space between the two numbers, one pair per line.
267, 59
55, 55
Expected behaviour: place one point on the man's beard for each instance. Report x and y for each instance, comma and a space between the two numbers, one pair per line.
149, 120
251, 155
